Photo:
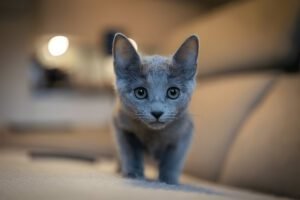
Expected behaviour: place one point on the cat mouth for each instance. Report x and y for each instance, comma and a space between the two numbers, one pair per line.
157, 124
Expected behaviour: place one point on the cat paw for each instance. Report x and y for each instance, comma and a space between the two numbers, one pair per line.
133, 175
169, 180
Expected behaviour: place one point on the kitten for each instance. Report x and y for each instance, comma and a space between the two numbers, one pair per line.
151, 116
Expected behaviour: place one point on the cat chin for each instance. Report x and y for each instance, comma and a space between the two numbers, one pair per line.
157, 125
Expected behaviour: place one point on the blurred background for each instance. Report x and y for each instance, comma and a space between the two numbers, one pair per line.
56, 81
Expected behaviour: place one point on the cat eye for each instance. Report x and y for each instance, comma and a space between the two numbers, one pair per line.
140, 93
173, 93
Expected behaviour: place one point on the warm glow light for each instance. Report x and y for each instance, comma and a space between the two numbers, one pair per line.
58, 45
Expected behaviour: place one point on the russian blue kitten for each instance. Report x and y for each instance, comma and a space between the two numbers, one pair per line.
151, 116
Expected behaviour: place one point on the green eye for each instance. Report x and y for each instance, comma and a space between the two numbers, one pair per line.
140, 93
173, 93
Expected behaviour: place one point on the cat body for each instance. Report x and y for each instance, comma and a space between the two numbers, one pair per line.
151, 114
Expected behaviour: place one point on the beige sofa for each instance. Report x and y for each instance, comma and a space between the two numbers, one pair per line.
247, 105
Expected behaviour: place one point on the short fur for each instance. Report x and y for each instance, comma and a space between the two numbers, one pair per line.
137, 131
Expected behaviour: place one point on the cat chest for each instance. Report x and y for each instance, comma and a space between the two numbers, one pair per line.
155, 143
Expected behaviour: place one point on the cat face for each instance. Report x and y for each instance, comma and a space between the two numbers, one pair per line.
155, 89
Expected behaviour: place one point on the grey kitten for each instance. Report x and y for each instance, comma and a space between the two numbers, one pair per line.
151, 115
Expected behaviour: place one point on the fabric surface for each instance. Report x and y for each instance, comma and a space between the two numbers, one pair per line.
219, 107
242, 35
266, 154
22, 177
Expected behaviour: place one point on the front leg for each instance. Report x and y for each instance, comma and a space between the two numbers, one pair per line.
130, 153
172, 160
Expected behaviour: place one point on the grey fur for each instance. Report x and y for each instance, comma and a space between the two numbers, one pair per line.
137, 131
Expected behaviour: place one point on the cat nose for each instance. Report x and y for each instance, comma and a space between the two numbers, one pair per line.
157, 114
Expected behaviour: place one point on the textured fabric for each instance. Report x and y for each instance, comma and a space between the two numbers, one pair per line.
244, 34
266, 153
24, 178
218, 107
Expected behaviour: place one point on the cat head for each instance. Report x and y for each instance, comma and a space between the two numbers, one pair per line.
155, 89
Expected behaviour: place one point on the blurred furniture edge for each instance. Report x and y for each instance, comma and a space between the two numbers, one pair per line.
244, 35
247, 104
68, 179
59, 140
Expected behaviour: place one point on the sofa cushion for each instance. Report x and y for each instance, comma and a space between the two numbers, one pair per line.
219, 106
266, 154
243, 35
24, 178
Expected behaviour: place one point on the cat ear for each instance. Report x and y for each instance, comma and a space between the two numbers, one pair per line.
186, 56
124, 54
